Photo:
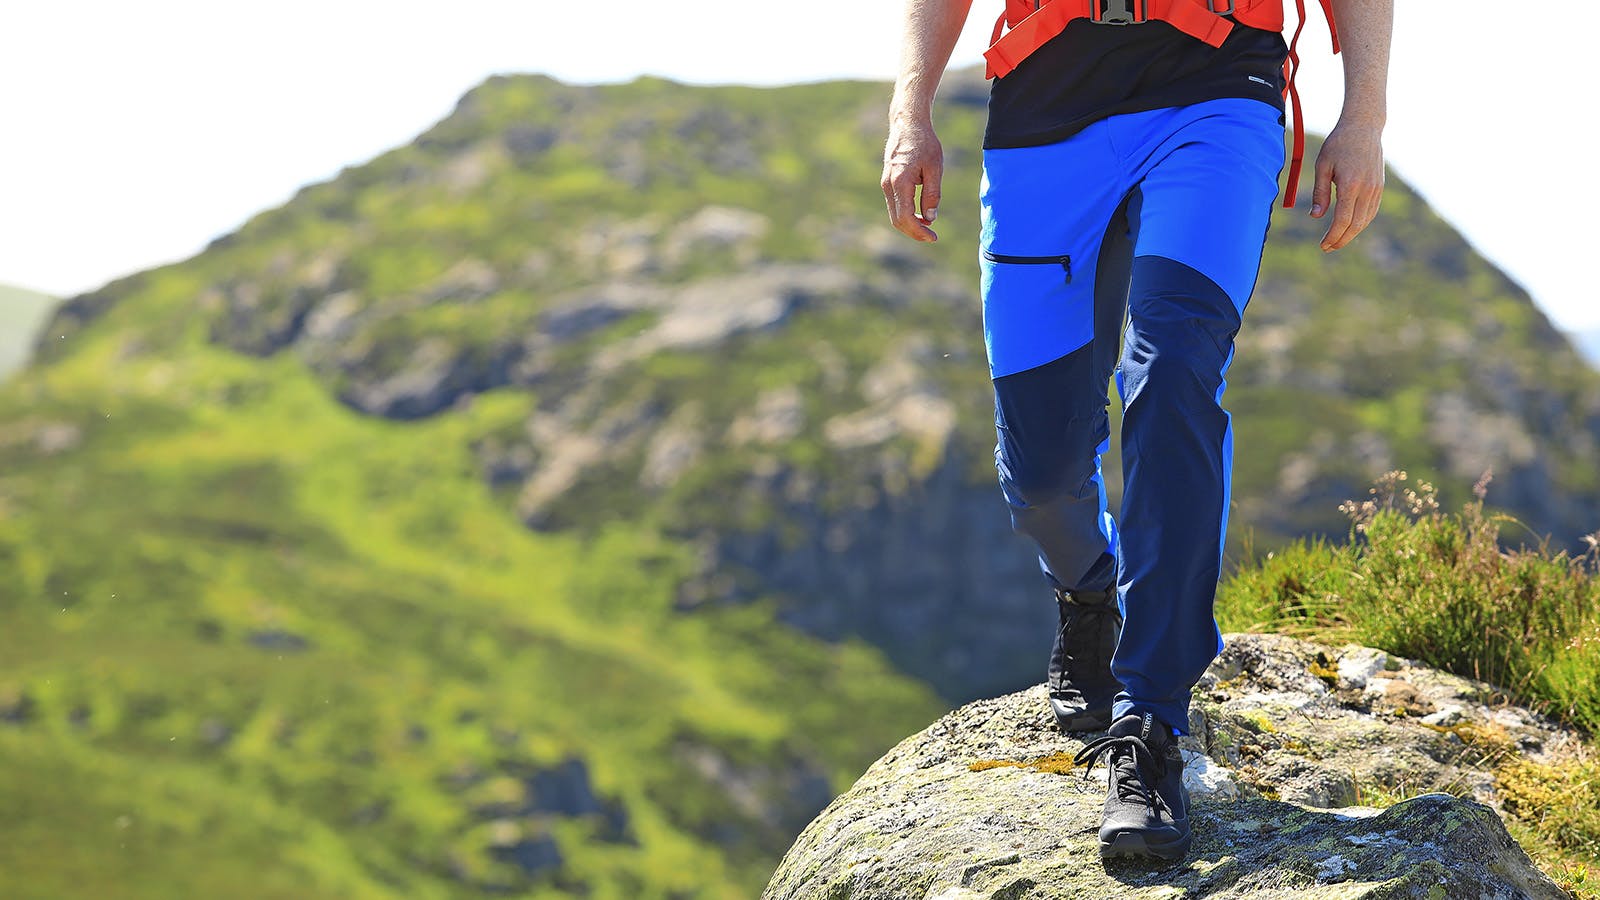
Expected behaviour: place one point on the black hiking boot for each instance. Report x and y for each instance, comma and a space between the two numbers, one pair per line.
1147, 808
1079, 678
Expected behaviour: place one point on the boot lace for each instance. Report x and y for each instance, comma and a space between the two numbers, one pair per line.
1129, 759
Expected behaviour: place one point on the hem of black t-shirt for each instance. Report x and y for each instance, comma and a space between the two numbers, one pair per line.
1143, 103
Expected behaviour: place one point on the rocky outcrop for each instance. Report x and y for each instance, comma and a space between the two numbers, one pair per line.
1329, 728
1293, 749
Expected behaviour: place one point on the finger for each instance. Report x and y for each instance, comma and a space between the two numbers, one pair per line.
1362, 201
1338, 233
1344, 212
904, 183
1322, 188
931, 178
1374, 200
905, 187
1366, 211
890, 180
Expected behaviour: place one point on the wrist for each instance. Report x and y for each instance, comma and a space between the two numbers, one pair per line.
911, 114
1364, 123
1363, 114
913, 98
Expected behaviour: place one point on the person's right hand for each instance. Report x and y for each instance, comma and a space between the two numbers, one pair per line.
912, 157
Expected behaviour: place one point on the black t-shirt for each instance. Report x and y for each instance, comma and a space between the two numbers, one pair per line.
1090, 71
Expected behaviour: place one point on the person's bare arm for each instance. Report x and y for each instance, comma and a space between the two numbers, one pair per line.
912, 155
1351, 159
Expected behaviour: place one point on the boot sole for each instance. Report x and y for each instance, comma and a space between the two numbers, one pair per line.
1071, 720
1133, 844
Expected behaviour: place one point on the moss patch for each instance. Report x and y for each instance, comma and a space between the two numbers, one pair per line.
1561, 801
1257, 721
1059, 763
1321, 668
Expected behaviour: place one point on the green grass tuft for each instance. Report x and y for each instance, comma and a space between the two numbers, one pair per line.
1442, 589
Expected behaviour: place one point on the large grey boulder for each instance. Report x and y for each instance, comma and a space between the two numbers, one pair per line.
984, 804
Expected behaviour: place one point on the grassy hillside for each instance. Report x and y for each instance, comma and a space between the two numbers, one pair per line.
22, 312
259, 646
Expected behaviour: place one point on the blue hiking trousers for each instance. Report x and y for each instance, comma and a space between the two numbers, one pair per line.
1156, 219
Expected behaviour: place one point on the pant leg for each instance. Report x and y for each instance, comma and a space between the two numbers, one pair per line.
1206, 193
1051, 331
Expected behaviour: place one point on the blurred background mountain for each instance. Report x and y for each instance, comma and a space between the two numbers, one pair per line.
571, 501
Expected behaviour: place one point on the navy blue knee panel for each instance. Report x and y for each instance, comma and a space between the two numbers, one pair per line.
1052, 428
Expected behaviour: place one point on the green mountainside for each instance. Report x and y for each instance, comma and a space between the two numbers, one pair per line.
572, 501
21, 314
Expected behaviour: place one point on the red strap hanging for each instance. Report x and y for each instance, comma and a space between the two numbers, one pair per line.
1291, 67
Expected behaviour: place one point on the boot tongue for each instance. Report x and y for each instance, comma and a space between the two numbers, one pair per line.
1145, 726
1129, 725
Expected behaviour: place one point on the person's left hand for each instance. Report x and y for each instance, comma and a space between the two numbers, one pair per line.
1351, 162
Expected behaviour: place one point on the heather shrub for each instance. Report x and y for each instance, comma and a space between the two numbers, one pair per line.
1442, 588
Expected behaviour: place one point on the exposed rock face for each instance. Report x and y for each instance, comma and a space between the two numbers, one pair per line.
770, 800
933, 575
979, 804
433, 375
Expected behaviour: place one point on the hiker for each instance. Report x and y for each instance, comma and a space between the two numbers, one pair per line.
1128, 177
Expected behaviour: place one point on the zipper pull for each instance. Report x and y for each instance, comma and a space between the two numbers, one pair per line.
1066, 266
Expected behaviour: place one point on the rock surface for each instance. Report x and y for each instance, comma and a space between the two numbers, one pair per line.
982, 804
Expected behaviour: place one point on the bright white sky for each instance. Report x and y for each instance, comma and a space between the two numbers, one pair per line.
133, 133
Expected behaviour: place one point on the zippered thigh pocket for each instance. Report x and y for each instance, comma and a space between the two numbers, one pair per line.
1032, 312
1061, 259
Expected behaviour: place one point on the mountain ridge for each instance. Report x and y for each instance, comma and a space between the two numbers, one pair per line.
629, 216
618, 423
